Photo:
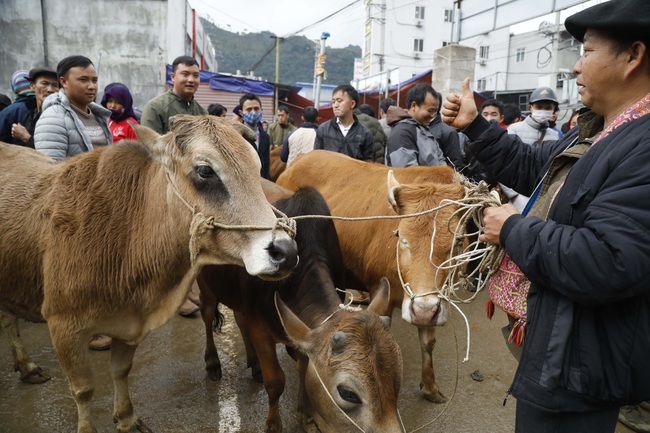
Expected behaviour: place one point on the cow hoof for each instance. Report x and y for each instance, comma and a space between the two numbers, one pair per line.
273, 426
34, 377
436, 397
142, 428
215, 373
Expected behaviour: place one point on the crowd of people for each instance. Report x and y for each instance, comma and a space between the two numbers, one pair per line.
582, 246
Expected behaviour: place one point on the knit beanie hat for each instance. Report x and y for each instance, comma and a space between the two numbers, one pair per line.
20, 83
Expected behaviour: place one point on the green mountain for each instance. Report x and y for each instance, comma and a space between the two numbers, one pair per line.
243, 52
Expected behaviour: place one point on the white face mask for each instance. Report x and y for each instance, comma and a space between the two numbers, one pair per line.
541, 116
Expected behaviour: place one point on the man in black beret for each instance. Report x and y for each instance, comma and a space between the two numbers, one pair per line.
584, 245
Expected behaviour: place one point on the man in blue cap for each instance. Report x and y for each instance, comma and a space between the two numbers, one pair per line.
585, 244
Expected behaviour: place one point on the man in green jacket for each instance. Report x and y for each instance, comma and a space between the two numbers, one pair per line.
156, 114
178, 100
279, 131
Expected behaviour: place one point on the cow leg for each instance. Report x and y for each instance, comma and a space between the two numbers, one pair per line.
71, 346
29, 371
208, 314
252, 361
121, 362
429, 384
272, 374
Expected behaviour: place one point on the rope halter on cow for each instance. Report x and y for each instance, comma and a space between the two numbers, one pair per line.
201, 224
477, 197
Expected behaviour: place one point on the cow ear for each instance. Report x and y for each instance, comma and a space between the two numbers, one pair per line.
381, 298
146, 136
393, 190
248, 134
297, 331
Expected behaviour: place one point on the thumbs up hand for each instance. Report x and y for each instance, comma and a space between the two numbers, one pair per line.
458, 111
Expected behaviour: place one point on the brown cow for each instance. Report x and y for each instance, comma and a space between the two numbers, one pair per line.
104, 243
276, 165
354, 189
353, 352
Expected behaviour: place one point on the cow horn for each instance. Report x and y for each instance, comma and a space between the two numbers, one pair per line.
339, 341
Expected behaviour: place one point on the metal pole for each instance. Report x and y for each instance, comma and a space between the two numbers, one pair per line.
319, 76
277, 76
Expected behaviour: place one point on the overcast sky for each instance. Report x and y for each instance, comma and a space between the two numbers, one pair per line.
285, 17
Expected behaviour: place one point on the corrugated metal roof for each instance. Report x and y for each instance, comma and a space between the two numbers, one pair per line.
206, 96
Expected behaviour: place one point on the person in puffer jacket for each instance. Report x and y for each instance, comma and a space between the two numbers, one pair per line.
71, 122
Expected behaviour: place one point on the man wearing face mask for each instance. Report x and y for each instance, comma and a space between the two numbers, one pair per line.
251, 112
535, 128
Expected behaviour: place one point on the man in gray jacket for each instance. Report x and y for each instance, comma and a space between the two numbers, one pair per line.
71, 122
412, 141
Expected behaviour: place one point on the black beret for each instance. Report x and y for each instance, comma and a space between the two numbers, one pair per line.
38, 72
615, 16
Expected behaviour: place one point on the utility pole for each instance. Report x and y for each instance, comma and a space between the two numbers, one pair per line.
277, 75
320, 68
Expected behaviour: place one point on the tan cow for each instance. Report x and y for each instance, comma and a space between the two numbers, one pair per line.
358, 189
106, 242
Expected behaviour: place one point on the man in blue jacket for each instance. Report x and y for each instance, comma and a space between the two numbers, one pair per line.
251, 112
585, 245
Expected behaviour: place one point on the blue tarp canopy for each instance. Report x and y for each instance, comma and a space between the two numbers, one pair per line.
229, 83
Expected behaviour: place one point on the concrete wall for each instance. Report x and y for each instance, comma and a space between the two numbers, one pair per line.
452, 65
127, 40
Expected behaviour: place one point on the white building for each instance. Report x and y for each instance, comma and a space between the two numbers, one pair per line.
403, 35
401, 38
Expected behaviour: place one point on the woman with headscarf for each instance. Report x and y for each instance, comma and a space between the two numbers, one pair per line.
118, 99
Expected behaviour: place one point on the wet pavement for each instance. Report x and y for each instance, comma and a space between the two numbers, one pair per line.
172, 393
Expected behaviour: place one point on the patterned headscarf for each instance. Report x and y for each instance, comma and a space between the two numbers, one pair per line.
20, 83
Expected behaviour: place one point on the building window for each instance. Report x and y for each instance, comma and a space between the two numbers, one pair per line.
445, 43
449, 15
484, 52
480, 85
521, 53
523, 102
419, 12
418, 45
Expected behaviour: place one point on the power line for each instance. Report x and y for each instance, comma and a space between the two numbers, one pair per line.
262, 58
323, 19
229, 16
301, 30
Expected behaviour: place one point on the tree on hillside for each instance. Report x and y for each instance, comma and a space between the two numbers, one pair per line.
241, 52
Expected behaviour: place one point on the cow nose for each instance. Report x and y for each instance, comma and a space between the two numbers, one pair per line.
284, 253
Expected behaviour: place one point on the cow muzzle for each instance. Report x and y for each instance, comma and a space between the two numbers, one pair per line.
426, 311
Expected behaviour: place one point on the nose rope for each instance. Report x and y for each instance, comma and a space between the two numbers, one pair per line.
201, 224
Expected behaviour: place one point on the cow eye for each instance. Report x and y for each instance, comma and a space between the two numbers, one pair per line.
205, 171
349, 396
